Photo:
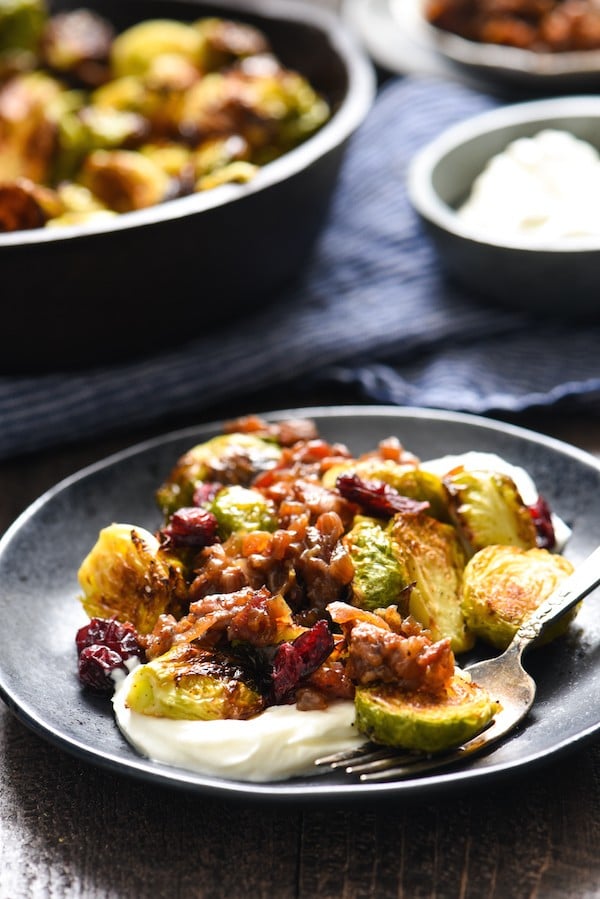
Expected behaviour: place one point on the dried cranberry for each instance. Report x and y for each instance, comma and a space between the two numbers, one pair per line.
191, 526
103, 645
377, 497
96, 666
542, 519
116, 636
206, 492
295, 661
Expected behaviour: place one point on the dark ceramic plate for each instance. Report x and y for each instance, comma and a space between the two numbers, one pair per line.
40, 555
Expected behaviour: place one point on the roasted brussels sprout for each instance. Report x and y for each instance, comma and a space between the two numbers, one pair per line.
123, 180
502, 585
25, 205
21, 25
427, 722
30, 107
239, 508
432, 558
188, 682
271, 108
128, 576
408, 480
77, 43
79, 206
488, 509
134, 50
94, 128
378, 576
229, 459
223, 41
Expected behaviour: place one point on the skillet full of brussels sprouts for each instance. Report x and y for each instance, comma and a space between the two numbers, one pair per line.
151, 148
95, 123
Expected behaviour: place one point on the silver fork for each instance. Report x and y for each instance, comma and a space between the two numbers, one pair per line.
503, 677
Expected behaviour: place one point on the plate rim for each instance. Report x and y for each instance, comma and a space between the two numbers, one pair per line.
158, 773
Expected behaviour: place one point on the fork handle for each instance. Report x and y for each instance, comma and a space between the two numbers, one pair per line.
568, 593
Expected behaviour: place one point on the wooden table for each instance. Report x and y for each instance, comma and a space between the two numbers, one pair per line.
69, 829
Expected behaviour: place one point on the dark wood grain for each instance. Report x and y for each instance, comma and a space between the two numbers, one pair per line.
68, 829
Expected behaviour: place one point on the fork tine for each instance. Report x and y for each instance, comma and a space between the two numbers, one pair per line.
361, 754
420, 764
386, 761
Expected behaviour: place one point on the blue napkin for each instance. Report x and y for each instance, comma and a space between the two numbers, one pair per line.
371, 309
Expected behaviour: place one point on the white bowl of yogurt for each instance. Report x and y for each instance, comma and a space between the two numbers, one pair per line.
511, 200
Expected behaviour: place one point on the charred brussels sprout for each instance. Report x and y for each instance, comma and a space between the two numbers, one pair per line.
126, 575
25, 205
224, 41
229, 459
188, 682
424, 721
487, 508
502, 585
432, 558
123, 180
242, 509
30, 108
77, 44
378, 576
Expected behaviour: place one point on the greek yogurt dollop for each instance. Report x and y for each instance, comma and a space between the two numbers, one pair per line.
540, 189
279, 743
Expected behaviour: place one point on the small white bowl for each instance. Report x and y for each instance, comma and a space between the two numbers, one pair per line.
559, 277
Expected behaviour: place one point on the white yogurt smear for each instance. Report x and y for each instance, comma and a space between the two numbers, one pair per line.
281, 742
540, 189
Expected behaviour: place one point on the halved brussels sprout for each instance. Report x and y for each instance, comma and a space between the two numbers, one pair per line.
30, 107
229, 458
378, 576
134, 50
239, 508
432, 558
25, 205
188, 682
124, 180
488, 509
94, 128
128, 576
77, 43
21, 24
502, 585
224, 41
416, 483
423, 721
235, 173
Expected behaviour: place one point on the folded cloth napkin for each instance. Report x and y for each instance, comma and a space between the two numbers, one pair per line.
371, 309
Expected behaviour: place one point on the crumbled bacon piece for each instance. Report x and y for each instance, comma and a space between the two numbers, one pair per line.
295, 661
378, 656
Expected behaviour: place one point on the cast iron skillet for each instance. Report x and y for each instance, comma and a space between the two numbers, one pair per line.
156, 277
